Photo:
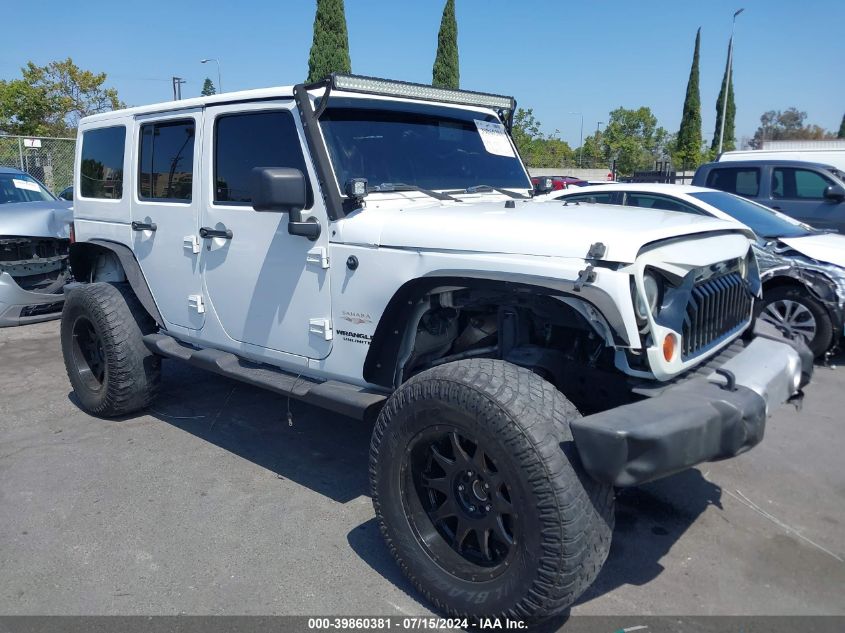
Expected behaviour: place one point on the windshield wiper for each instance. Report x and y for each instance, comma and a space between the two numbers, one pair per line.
480, 188
401, 186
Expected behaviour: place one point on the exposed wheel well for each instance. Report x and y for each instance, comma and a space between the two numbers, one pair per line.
102, 260
432, 321
782, 281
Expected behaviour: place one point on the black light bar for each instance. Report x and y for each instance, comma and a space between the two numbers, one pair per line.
423, 92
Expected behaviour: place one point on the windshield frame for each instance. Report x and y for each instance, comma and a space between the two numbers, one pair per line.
464, 113
14, 175
799, 228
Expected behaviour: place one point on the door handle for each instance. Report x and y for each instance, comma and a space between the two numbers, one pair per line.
207, 232
144, 226
776, 208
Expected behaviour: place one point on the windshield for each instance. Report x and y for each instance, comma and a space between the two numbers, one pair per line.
22, 188
763, 221
417, 144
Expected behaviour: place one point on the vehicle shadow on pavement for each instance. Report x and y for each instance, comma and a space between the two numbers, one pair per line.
322, 451
650, 519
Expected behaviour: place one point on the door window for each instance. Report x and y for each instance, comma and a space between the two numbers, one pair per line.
664, 203
166, 161
743, 181
101, 168
601, 198
798, 184
248, 140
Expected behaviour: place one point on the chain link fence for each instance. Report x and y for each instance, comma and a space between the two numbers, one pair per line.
50, 160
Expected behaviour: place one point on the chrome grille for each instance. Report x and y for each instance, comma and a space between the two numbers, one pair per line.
717, 308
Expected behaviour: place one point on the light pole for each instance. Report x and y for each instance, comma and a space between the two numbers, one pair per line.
598, 123
581, 148
177, 88
216, 61
728, 80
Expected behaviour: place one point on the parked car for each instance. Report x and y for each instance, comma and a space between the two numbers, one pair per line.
66, 194
834, 156
802, 268
557, 183
813, 193
372, 247
34, 242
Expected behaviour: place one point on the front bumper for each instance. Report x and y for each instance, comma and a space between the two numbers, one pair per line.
19, 306
709, 417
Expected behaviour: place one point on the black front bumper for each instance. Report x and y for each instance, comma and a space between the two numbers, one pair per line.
705, 418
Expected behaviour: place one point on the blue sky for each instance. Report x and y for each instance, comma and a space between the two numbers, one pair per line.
555, 57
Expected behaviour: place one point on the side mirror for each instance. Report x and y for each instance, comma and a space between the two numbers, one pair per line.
283, 190
834, 192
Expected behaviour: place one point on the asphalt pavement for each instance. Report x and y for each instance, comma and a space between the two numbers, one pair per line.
211, 503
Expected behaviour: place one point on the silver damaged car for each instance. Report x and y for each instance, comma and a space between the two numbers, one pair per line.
34, 244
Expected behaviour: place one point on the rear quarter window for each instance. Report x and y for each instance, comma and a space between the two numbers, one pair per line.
101, 165
743, 181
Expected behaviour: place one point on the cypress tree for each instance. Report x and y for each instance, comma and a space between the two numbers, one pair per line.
728, 142
330, 48
688, 149
208, 88
841, 128
446, 72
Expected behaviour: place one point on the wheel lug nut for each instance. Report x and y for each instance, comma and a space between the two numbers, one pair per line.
460, 487
472, 508
488, 507
470, 473
486, 486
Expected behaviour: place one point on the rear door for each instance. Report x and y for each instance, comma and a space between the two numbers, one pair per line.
742, 181
799, 192
165, 212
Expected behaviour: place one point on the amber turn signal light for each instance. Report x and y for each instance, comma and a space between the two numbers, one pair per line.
670, 343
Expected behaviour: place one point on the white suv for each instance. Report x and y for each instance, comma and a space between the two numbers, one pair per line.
372, 247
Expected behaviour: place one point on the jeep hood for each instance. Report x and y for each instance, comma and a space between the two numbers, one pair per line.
36, 219
529, 228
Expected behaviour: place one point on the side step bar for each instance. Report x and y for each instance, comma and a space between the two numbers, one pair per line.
350, 400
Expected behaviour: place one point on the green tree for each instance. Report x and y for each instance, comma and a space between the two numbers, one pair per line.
208, 88
729, 142
24, 109
841, 128
535, 148
634, 140
688, 148
446, 71
330, 47
787, 125
593, 152
49, 100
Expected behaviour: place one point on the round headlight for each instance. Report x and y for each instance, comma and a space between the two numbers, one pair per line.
647, 306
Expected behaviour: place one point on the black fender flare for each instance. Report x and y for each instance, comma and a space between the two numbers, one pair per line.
380, 362
83, 256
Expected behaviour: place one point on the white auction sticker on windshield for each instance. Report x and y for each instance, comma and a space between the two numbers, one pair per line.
25, 184
495, 138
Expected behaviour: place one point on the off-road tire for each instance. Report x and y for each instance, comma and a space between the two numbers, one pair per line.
130, 372
566, 518
824, 326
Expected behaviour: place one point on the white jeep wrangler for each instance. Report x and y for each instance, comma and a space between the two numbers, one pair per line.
372, 247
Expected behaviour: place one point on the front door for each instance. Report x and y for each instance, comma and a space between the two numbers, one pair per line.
268, 288
165, 212
800, 193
